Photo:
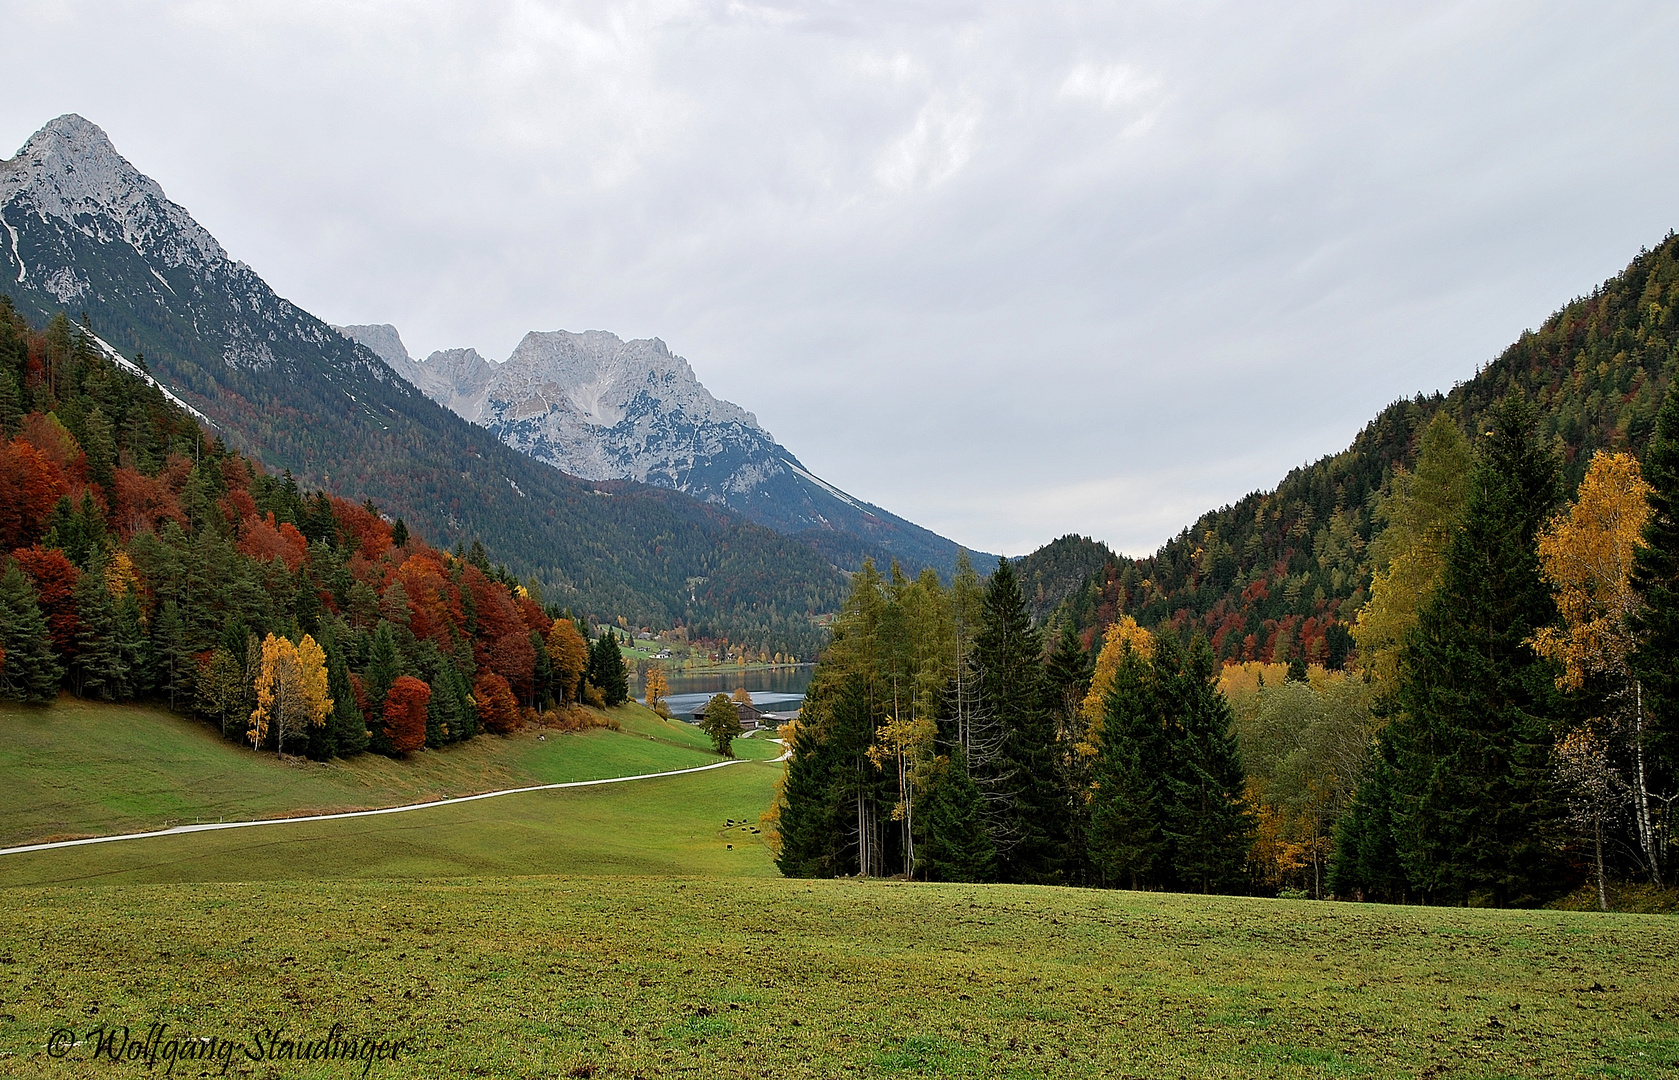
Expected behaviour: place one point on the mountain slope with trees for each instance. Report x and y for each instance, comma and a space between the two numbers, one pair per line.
86, 233
141, 559
1283, 573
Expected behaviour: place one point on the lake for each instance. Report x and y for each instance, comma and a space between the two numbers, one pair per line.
772, 689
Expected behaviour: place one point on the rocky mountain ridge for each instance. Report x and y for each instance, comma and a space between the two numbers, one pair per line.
599, 407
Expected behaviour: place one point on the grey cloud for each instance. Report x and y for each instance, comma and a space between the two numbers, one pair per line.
1010, 270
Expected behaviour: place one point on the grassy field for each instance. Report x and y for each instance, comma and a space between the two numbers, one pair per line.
640, 930
83, 769
634, 976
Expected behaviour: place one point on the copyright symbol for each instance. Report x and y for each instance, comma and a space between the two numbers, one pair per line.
59, 1045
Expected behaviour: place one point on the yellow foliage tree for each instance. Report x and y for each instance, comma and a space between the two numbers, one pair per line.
1122, 634
291, 691
1409, 555
120, 575
656, 685
570, 656
1587, 556
905, 743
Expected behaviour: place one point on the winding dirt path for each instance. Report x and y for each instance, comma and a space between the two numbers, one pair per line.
217, 825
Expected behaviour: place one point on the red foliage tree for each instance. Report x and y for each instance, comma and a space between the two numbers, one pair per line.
31, 484
532, 614
371, 534
513, 657
262, 540
498, 711
433, 604
405, 714
46, 434
497, 615
54, 577
237, 505
142, 503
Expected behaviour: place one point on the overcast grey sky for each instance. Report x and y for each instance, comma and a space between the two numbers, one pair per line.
1009, 270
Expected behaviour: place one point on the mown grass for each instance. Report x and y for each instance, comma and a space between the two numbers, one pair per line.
635, 976
81, 768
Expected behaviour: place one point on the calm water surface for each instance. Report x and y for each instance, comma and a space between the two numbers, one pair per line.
772, 690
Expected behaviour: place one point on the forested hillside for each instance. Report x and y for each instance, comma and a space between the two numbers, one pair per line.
1283, 573
141, 559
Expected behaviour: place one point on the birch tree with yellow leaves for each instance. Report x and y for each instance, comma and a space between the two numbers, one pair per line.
1587, 556
291, 691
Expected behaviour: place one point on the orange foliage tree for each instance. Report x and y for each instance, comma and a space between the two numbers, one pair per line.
405, 714
32, 486
498, 710
54, 578
570, 656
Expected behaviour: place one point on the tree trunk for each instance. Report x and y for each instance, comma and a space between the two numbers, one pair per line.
1640, 791
1602, 890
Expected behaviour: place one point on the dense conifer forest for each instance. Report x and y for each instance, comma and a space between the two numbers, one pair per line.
146, 560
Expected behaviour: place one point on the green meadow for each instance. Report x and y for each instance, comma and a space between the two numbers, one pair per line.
86, 769
640, 929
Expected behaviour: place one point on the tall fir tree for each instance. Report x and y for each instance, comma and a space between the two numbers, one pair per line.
1655, 661
606, 669
1473, 810
1365, 864
1127, 839
956, 846
346, 723
1067, 677
1009, 654
98, 668
28, 671
1208, 821
173, 654
384, 667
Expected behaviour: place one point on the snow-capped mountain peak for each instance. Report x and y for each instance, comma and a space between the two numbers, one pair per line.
70, 171
597, 406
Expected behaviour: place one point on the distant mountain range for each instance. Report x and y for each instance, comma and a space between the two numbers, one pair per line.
83, 232
602, 408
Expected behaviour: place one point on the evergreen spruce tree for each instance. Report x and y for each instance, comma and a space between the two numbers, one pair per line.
28, 671
133, 647
172, 655
806, 809
1473, 811
956, 846
1009, 654
384, 667
11, 402
98, 668
606, 669
1127, 839
839, 711
542, 678
1656, 578
1067, 678
1207, 820
1365, 865
346, 722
